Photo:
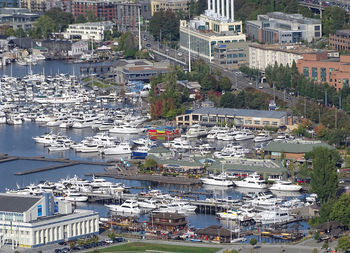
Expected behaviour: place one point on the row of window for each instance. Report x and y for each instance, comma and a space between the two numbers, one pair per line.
214, 119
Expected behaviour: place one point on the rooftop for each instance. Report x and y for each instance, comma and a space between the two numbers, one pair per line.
292, 17
345, 32
240, 112
16, 203
294, 147
288, 48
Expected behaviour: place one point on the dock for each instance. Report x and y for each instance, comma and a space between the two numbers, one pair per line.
64, 162
151, 178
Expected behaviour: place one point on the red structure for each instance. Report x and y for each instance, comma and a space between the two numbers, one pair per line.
99, 8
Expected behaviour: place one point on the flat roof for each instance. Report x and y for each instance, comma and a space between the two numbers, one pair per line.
288, 48
16, 203
294, 147
240, 112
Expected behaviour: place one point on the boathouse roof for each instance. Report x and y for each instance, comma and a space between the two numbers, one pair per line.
294, 147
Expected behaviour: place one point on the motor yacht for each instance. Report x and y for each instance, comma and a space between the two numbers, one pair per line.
124, 129
244, 134
280, 185
220, 180
120, 149
262, 137
75, 197
196, 131
140, 151
129, 206
252, 181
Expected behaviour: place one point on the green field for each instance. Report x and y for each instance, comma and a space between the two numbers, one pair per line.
149, 247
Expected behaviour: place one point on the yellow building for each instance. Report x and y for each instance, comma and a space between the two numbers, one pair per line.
164, 5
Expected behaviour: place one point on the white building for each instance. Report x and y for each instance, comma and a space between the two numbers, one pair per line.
216, 26
262, 56
88, 31
79, 48
32, 221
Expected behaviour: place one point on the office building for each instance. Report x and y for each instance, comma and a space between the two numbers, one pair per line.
9, 3
322, 68
216, 26
231, 55
17, 18
278, 27
340, 40
138, 70
262, 56
32, 221
88, 31
34, 5
212, 116
164, 5
124, 12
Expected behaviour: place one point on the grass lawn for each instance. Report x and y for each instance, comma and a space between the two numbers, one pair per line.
148, 247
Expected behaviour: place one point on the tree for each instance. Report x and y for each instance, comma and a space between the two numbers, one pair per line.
61, 18
333, 18
111, 235
127, 43
150, 164
45, 26
317, 236
80, 19
253, 241
324, 179
165, 25
341, 210
343, 243
225, 83
10, 32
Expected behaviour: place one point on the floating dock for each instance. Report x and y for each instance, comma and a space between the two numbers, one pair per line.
64, 162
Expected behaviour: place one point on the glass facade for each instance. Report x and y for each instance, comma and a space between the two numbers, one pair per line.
306, 71
197, 44
323, 75
314, 74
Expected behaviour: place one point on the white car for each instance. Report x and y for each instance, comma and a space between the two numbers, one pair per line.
179, 54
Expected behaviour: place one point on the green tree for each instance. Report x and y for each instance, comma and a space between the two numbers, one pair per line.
333, 19
10, 32
111, 235
127, 43
150, 164
165, 25
341, 210
45, 26
20, 33
253, 241
225, 83
343, 243
324, 179
80, 19
61, 18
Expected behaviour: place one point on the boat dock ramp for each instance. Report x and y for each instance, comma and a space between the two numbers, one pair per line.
63, 162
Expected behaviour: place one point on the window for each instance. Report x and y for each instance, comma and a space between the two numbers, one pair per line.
323, 75
40, 210
274, 123
345, 82
314, 73
266, 123
306, 71
231, 28
248, 122
238, 28
256, 122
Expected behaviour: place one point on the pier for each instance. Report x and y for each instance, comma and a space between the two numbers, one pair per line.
151, 178
64, 162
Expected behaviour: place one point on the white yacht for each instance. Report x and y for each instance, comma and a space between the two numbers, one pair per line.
280, 185
220, 180
252, 181
263, 199
273, 216
129, 206
124, 129
178, 143
196, 131
147, 203
120, 149
262, 137
244, 135
75, 197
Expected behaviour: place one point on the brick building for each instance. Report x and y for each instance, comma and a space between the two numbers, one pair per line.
340, 40
99, 8
321, 68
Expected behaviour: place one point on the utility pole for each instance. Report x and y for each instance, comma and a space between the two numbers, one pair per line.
140, 46
335, 118
189, 40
